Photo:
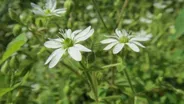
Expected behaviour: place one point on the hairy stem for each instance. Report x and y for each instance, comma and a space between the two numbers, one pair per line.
129, 81
121, 13
100, 16
91, 82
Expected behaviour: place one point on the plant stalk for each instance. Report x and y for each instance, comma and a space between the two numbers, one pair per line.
121, 13
99, 14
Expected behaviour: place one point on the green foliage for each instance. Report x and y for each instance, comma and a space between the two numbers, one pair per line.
180, 24
14, 46
156, 72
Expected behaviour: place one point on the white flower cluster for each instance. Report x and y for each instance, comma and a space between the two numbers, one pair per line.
48, 10
69, 43
122, 38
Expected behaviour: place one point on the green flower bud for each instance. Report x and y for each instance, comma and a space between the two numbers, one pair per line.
39, 22
23, 17
4, 67
13, 15
17, 29
68, 5
99, 75
66, 89
13, 62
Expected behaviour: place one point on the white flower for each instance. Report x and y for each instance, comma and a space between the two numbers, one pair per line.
145, 20
48, 10
159, 5
68, 43
122, 38
127, 21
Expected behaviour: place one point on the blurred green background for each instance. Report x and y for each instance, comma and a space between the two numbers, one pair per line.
157, 72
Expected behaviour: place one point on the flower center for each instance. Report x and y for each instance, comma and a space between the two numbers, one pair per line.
47, 11
124, 39
68, 43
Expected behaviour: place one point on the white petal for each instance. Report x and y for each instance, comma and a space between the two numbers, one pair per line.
85, 36
133, 47
37, 7
75, 53
54, 2
82, 48
124, 32
110, 40
83, 33
118, 48
74, 33
139, 44
56, 58
60, 11
52, 55
118, 33
110, 46
57, 39
49, 4
38, 12
52, 44
68, 33
141, 38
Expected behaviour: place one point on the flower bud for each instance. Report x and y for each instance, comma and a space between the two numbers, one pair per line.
13, 15
68, 4
4, 67
39, 22
13, 62
17, 29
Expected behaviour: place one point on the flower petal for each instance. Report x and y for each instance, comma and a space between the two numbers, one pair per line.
75, 53
68, 33
59, 11
125, 33
74, 33
52, 44
53, 7
118, 48
133, 47
110, 40
85, 36
51, 56
139, 44
56, 58
57, 39
50, 4
109, 46
118, 33
37, 7
82, 48
83, 33
38, 12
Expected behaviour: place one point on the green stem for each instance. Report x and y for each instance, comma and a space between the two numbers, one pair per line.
121, 13
113, 76
129, 81
71, 69
91, 83
100, 16
126, 73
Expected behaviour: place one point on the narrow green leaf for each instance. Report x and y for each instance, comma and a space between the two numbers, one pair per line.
14, 46
180, 24
111, 65
3, 91
140, 100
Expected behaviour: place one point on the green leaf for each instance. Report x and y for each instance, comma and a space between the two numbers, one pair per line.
14, 46
140, 100
180, 24
3, 91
